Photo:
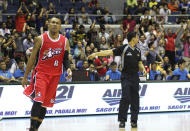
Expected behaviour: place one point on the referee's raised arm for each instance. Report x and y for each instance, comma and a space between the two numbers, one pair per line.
101, 53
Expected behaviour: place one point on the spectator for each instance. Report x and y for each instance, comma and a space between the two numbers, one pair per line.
166, 61
5, 75
140, 9
152, 56
184, 4
169, 72
8, 61
31, 21
118, 42
101, 66
128, 24
19, 43
81, 34
8, 46
104, 45
88, 51
93, 73
70, 17
79, 51
4, 30
183, 73
10, 23
20, 19
170, 43
28, 42
92, 35
152, 3
32, 7
143, 46
99, 11
165, 12
113, 73
83, 17
109, 18
93, 3
154, 71
173, 6
15, 64
71, 60
19, 73
132, 4
92, 47
45, 26
72, 36
40, 20
146, 16
85, 65
154, 12
103, 32
51, 8
185, 38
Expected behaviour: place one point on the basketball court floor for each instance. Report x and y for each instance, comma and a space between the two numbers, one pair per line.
173, 121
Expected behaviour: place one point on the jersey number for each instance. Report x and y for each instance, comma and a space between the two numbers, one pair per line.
56, 63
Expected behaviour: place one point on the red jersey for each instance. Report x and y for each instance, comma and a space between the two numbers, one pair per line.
170, 44
98, 62
50, 59
19, 22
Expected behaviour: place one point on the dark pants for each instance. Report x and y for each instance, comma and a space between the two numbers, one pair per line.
130, 96
171, 56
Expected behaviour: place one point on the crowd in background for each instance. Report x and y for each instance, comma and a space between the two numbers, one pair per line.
160, 56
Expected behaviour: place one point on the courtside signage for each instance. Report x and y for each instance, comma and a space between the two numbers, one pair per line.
85, 99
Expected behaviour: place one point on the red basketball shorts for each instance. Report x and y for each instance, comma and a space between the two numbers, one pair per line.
42, 88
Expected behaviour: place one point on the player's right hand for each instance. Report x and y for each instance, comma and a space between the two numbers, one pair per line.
24, 82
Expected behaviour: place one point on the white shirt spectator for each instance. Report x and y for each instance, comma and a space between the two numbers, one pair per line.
4, 31
165, 13
106, 35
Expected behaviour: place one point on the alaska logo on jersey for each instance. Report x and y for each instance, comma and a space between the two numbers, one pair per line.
182, 95
51, 53
113, 96
64, 93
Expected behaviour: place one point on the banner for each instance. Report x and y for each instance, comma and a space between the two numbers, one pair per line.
97, 98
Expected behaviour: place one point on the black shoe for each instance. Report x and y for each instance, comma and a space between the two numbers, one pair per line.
134, 124
33, 129
122, 124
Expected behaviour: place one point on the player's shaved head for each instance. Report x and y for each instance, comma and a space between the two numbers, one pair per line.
55, 18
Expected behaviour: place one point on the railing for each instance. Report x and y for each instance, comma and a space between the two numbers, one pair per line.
119, 17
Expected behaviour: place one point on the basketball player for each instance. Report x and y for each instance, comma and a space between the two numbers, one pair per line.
50, 52
131, 63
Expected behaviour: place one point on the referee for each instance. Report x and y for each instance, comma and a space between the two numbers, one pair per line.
131, 62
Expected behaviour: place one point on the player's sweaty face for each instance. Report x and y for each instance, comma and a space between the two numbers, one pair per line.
54, 25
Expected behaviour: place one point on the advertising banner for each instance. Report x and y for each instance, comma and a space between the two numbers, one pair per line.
97, 98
